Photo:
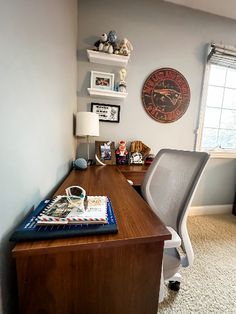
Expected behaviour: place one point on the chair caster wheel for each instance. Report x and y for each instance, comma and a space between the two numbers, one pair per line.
174, 285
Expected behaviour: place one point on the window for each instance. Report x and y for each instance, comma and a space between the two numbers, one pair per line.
218, 118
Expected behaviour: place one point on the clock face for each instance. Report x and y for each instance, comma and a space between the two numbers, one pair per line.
166, 95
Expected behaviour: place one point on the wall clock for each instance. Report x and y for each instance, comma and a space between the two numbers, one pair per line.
166, 95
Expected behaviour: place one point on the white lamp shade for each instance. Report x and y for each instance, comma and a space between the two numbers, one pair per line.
87, 124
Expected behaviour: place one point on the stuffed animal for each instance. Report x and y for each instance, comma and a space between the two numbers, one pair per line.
98, 45
106, 47
107, 43
125, 47
112, 40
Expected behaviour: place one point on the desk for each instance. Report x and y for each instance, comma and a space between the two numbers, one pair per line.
134, 173
103, 274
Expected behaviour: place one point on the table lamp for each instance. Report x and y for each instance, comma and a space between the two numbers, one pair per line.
87, 124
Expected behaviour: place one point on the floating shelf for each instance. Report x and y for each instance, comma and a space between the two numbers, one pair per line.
106, 58
100, 93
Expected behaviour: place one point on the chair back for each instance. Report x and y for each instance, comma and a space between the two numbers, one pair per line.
169, 187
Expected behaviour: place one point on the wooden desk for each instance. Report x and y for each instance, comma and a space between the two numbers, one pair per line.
103, 274
134, 173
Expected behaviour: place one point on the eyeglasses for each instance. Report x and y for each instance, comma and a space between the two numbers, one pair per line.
76, 196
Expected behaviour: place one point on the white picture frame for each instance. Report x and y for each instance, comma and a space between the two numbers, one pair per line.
102, 80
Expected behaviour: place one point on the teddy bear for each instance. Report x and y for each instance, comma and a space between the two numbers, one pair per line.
125, 47
107, 42
112, 40
98, 45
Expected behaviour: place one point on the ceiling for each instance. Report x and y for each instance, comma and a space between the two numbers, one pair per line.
226, 8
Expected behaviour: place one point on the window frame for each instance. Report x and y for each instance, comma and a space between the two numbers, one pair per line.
217, 152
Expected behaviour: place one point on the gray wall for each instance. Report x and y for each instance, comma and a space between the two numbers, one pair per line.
163, 35
38, 99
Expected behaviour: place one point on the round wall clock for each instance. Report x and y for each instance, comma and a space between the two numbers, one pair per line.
166, 95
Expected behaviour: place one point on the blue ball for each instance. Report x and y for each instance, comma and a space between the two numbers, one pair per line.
80, 164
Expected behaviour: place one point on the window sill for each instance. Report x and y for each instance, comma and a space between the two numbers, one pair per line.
222, 154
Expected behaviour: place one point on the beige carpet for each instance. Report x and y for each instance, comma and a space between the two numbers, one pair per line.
209, 286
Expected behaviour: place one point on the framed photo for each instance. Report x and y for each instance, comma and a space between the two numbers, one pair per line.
102, 80
107, 113
105, 151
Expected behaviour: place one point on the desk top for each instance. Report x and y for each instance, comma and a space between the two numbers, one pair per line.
136, 221
133, 168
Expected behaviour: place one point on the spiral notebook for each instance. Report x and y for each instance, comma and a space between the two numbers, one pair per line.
29, 229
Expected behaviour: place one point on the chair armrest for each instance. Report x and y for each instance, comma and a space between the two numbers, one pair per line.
175, 240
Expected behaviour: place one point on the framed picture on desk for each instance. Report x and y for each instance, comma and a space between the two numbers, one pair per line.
105, 152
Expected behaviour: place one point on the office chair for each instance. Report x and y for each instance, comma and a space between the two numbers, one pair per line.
168, 188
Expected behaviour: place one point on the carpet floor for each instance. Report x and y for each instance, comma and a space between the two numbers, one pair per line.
209, 286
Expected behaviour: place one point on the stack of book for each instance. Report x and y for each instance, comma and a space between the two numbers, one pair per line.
61, 211
58, 218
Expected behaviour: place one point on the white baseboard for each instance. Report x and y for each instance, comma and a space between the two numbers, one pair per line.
210, 209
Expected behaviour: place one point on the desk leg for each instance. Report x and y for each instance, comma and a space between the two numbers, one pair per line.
121, 279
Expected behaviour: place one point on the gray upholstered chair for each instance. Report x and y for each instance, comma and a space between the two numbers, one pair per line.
168, 187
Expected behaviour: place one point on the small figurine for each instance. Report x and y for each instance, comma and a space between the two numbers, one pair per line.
122, 83
123, 74
121, 153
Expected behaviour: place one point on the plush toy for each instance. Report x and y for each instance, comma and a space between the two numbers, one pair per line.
98, 45
125, 47
107, 43
106, 47
112, 40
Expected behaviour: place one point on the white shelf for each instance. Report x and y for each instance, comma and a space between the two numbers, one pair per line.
100, 93
106, 58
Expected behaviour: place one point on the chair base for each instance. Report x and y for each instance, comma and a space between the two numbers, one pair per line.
174, 282
174, 285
